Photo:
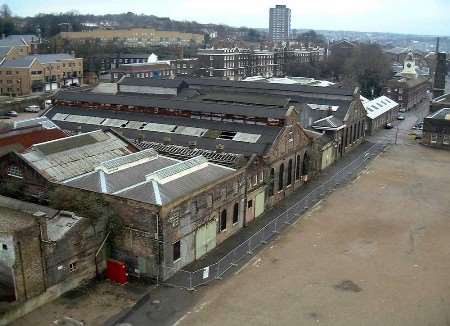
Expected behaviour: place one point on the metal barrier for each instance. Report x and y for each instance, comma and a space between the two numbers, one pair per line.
191, 280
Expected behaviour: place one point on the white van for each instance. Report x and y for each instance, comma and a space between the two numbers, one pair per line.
32, 108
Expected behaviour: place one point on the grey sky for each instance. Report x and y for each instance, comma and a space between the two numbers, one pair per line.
401, 16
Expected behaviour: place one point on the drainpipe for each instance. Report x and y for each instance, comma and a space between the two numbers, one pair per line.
249, 163
98, 252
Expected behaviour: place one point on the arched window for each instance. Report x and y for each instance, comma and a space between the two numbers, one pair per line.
289, 173
281, 177
236, 213
272, 182
305, 165
223, 220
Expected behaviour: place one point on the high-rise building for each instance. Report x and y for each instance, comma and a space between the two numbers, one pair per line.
280, 23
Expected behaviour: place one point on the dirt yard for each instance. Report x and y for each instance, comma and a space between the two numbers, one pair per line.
93, 305
375, 252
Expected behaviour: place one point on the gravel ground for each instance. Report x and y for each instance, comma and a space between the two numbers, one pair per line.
374, 252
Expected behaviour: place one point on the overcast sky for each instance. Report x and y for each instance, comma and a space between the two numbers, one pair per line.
400, 16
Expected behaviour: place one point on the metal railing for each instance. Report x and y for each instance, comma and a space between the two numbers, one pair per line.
192, 279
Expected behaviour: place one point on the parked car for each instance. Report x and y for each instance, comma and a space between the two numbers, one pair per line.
12, 114
402, 110
388, 126
400, 117
32, 108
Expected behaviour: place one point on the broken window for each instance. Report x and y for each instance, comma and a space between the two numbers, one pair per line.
223, 220
176, 251
227, 135
73, 267
236, 213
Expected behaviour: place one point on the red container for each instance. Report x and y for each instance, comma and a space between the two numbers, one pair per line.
116, 271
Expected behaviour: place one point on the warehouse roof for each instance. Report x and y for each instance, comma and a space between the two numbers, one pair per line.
271, 86
379, 106
237, 138
176, 104
61, 159
152, 178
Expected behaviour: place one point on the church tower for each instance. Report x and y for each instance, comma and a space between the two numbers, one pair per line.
440, 72
409, 67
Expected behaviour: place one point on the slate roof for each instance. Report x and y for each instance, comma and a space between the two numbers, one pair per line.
118, 180
62, 159
179, 185
270, 86
28, 38
23, 62
26, 61
173, 103
158, 181
268, 134
165, 83
4, 51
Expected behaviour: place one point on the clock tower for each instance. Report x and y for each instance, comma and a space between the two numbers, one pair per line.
409, 67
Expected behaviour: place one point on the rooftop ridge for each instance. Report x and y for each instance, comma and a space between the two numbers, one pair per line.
127, 161
178, 170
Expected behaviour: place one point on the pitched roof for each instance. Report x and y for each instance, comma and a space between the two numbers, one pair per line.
379, 106
173, 103
270, 86
61, 159
28, 136
22, 62
328, 123
242, 138
157, 180
164, 83
26, 61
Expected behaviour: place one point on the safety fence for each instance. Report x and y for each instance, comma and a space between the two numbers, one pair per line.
192, 279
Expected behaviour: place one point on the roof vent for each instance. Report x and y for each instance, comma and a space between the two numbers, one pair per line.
220, 148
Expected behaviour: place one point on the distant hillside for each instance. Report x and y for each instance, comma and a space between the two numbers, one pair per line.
52, 24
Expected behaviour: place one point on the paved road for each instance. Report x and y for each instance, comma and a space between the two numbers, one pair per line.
399, 134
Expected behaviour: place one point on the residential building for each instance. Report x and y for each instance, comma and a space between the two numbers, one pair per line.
44, 253
157, 69
380, 112
15, 46
408, 89
135, 37
280, 24
235, 63
238, 64
38, 73
436, 129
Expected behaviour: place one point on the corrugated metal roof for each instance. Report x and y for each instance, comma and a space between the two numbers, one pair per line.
65, 158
